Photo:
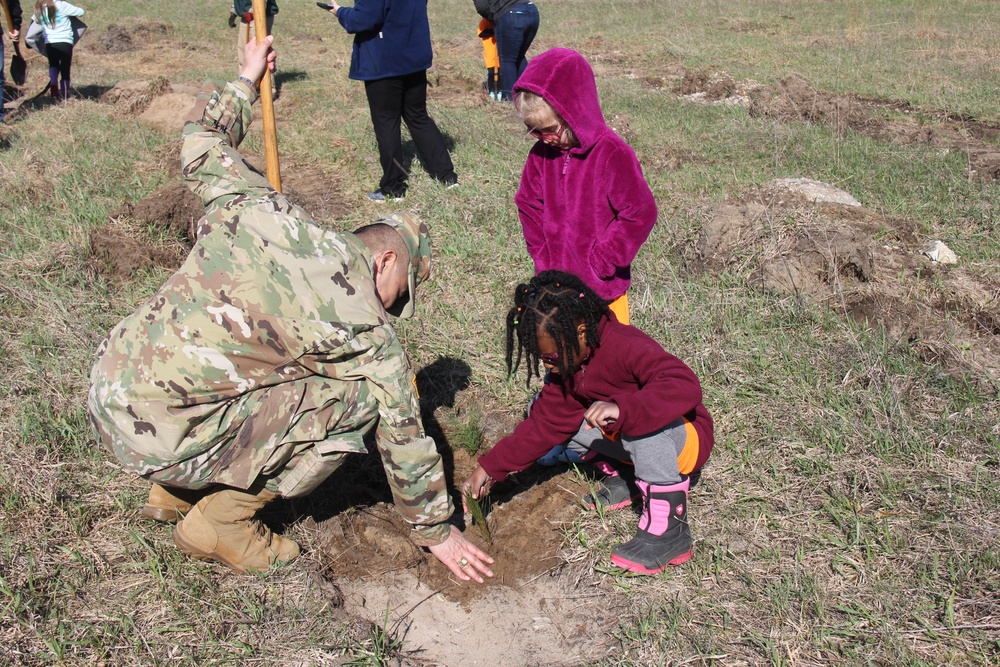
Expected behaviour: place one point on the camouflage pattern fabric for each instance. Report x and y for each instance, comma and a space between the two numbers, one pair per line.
268, 353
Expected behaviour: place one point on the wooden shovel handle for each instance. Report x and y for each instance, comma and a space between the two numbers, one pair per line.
267, 103
6, 13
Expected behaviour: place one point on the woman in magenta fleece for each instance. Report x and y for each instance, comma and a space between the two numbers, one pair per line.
584, 205
617, 397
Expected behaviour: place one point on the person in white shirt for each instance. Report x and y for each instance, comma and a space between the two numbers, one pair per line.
54, 16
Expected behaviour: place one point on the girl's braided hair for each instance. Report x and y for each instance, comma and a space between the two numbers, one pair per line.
557, 302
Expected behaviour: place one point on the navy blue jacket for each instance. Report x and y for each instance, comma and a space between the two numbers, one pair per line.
391, 37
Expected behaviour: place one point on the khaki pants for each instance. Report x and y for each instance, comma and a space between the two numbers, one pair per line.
245, 31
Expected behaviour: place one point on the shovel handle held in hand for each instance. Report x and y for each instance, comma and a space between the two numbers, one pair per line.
267, 104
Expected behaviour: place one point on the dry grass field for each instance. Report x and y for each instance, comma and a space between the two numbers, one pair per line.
850, 513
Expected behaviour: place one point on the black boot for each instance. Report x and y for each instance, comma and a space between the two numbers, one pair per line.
663, 537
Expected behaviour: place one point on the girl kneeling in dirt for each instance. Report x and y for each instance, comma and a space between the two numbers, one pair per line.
614, 395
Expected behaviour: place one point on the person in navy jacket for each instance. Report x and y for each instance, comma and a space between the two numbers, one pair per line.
391, 55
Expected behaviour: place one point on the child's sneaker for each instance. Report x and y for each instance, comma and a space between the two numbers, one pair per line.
560, 454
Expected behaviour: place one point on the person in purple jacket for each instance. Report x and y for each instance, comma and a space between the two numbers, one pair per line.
584, 205
612, 393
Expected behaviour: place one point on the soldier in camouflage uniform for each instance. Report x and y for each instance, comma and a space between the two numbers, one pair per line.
265, 359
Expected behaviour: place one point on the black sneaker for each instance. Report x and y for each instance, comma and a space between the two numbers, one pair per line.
380, 196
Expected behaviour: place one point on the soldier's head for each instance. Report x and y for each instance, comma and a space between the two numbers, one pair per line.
401, 247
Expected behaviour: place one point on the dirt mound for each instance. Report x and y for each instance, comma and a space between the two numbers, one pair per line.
451, 88
711, 86
157, 103
122, 247
825, 252
794, 98
167, 112
133, 96
121, 39
155, 233
173, 207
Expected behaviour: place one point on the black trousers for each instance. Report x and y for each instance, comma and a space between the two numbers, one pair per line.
405, 97
60, 60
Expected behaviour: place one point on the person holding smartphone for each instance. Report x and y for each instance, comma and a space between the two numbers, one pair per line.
391, 55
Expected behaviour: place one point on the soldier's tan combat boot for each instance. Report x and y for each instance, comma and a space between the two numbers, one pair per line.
169, 504
221, 527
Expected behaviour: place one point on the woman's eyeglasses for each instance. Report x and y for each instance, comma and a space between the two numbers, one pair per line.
553, 133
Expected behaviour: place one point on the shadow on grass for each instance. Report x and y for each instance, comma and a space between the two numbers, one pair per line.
281, 77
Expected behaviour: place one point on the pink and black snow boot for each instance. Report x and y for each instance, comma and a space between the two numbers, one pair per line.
663, 537
617, 490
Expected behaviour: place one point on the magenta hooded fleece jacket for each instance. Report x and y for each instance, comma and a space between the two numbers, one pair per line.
587, 210
651, 387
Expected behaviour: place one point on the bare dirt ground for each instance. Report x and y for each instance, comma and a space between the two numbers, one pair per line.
795, 99
863, 264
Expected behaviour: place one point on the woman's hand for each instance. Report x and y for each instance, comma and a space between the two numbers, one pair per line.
476, 485
257, 58
600, 414
463, 557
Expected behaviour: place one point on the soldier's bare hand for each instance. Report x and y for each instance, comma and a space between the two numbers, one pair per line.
462, 557
257, 58
477, 485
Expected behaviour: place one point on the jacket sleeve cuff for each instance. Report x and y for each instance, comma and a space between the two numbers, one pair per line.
248, 90
429, 536
496, 474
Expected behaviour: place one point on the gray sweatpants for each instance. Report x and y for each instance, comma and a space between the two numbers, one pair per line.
654, 455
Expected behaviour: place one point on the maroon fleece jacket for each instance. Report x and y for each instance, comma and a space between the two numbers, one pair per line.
650, 386
587, 210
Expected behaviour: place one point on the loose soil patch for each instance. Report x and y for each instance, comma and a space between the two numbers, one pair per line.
794, 98
155, 233
533, 609
123, 38
863, 264
133, 238
122, 247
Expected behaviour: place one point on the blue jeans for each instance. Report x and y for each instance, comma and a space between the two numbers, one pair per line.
515, 31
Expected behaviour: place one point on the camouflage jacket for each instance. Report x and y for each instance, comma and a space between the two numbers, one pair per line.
265, 297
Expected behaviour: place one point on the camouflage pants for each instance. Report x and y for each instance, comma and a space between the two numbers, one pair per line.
294, 434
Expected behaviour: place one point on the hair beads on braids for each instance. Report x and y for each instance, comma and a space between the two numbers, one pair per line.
557, 302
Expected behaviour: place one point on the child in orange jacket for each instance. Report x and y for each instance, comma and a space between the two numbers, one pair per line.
491, 58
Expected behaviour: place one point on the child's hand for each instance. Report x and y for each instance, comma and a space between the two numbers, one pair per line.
600, 414
477, 485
